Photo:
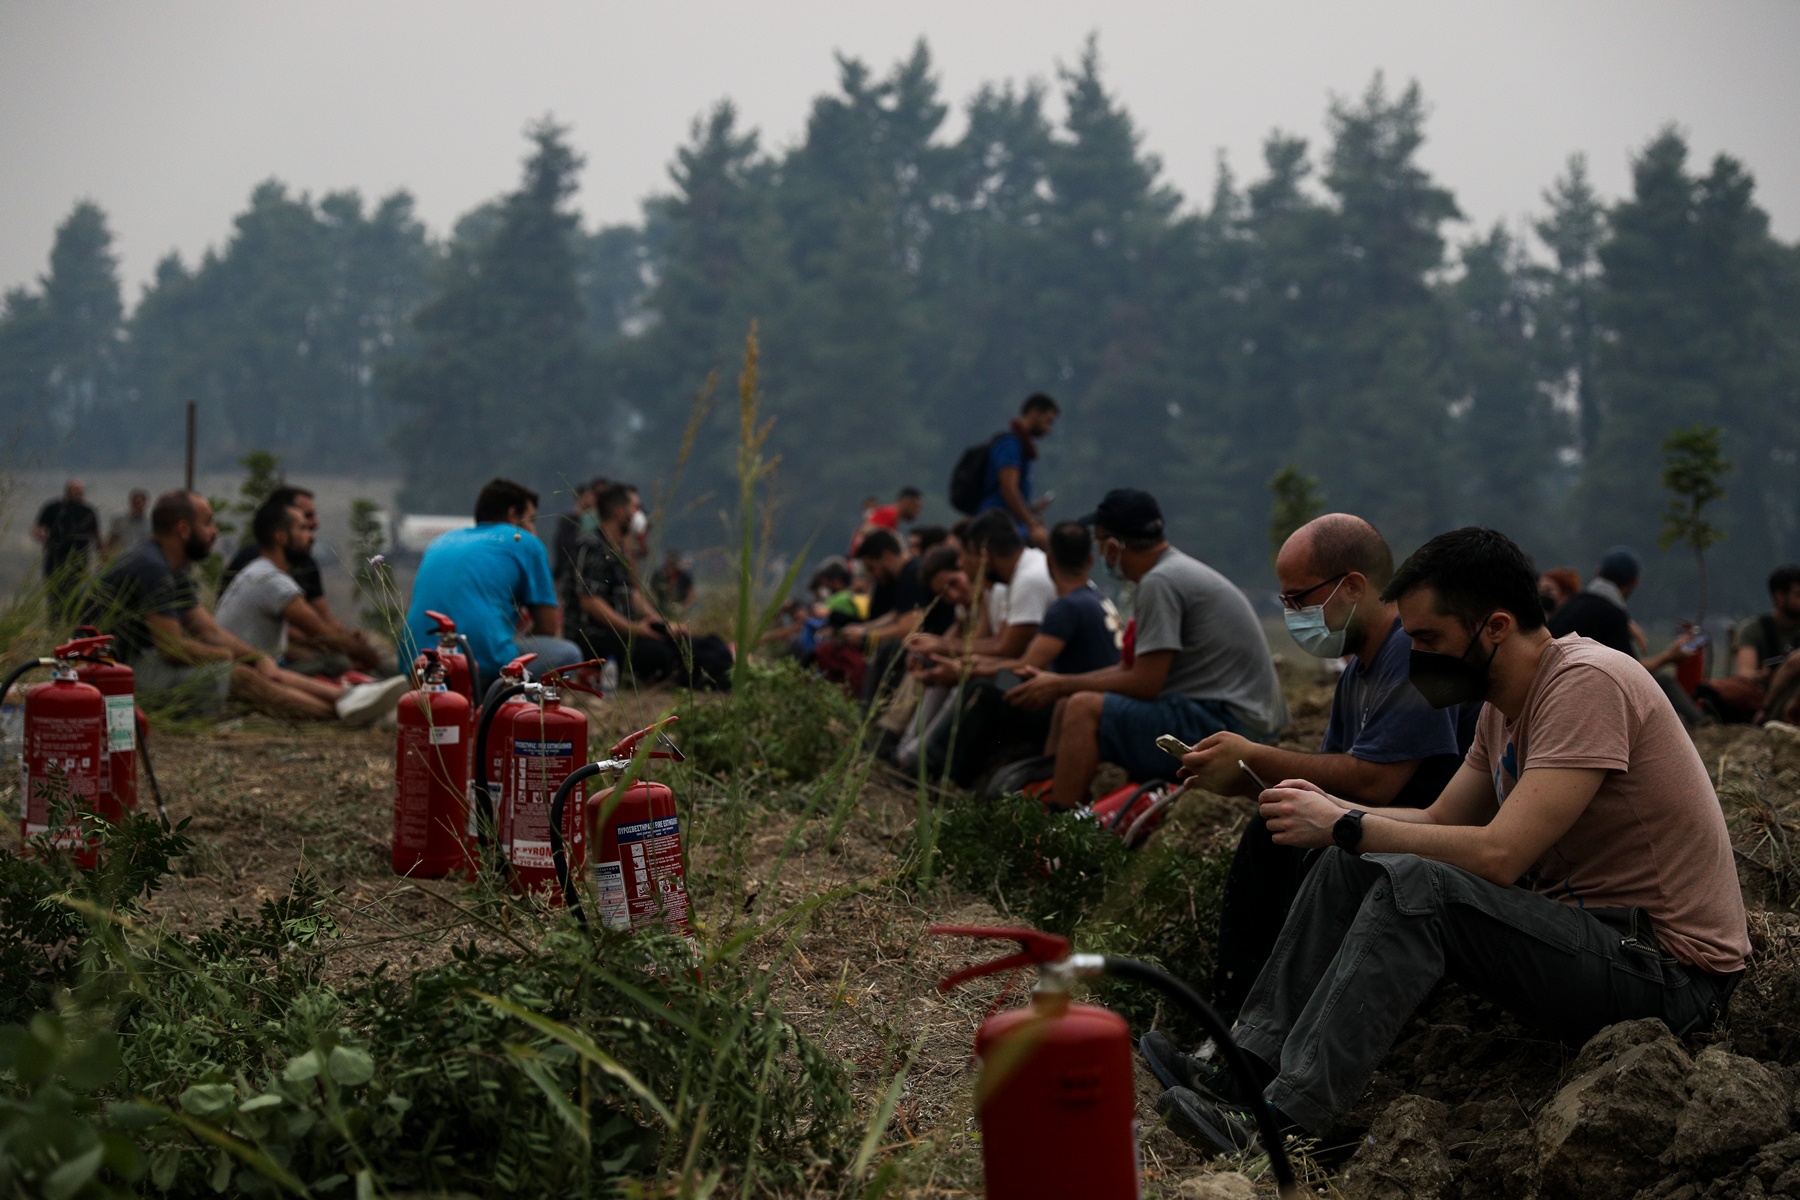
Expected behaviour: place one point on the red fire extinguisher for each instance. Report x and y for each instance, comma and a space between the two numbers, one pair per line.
116, 683
634, 839
546, 742
1055, 1095
431, 778
491, 765
65, 752
459, 661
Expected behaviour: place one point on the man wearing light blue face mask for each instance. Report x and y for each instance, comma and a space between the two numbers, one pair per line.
1384, 744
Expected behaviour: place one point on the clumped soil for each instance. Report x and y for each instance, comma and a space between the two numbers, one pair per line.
1469, 1106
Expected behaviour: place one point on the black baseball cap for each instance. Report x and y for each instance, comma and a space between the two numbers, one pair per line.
1128, 513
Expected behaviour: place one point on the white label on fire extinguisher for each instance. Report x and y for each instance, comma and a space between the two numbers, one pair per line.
609, 882
446, 735
121, 723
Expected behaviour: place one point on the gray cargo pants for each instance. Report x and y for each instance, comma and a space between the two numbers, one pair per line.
1369, 937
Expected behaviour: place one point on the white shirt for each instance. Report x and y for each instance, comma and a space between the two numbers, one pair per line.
1031, 592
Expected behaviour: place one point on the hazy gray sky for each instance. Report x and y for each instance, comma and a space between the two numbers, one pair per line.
168, 113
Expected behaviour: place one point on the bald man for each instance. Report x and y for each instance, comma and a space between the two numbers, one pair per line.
1384, 744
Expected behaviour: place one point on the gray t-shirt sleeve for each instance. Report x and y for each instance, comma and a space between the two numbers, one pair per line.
1158, 613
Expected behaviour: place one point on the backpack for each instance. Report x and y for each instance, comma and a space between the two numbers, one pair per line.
968, 479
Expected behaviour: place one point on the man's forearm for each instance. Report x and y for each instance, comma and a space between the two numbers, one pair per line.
1126, 681
600, 610
1340, 774
1471, 847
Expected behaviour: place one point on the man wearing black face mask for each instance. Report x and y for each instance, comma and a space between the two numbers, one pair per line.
1576, 870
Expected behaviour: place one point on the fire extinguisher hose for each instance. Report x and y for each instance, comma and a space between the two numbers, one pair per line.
1235, 1058
485, 821
571, 893
143, 747
19, 670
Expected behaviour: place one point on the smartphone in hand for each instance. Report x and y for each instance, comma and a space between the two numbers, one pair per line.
1168, 743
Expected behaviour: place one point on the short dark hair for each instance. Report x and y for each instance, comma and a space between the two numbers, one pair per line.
611, 499
877, 543
1342, 543
911, 493
284, 496
500, 497
271, 520
1071, 546
994, 532
170, 510
1784, 577
1473, 572
137, 492
935, 562
930, 536
1038, 402
830, 572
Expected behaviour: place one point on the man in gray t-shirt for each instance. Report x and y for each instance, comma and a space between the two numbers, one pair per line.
255, 606
1198, 663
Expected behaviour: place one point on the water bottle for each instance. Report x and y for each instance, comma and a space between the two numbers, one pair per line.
609, 676
12, 731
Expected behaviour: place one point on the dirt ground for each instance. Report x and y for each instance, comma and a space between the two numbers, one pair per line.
1466, 1089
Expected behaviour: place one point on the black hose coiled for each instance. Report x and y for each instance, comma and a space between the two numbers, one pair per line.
571, 893
484, 822
1235, 1058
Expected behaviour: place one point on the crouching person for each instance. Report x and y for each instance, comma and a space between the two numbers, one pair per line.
1576, 870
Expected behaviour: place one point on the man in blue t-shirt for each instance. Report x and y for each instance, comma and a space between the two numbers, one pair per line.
1007, 485
482, 577
1384, 744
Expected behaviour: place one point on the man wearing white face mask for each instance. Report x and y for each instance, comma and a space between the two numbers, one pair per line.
1384, 744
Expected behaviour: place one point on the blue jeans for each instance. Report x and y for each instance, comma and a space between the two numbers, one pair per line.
552, 652
1129, 728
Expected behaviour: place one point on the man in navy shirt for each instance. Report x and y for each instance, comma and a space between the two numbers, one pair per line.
1007, 485
1384, 744
482, 577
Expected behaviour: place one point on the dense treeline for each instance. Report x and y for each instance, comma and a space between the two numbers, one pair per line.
912, 287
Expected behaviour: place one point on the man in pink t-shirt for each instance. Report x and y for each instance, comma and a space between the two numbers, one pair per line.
1576, 870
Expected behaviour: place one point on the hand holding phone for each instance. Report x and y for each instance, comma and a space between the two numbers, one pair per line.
1168, 743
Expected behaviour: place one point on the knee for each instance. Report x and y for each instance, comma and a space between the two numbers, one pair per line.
1083, 709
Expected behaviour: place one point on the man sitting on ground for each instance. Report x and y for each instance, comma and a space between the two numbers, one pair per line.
1201, 664
610, 616
1020, 589
1764, 683
1079, 631
481, 578
1599, 613
346, 647
895, 606
147, 600
1581, 782
1383, 745
265, 601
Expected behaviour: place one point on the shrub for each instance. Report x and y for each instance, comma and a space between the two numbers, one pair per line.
781, 720
1046, 868
541, 1060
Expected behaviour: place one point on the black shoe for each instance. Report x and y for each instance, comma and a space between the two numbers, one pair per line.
1173, 1069
1205, 1122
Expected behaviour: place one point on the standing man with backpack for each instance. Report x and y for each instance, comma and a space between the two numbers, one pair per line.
997, 475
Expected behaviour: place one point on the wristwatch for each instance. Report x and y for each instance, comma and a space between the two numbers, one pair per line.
1347, 830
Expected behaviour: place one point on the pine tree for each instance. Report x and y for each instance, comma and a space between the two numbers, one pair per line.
502, 376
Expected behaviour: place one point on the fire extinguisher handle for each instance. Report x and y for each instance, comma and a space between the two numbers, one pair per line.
627, 746
82, 645
1035, 948
443, 623
564, 879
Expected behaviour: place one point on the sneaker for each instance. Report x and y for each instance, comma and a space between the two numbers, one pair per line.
366, 703
1173, 1069
1205, 1122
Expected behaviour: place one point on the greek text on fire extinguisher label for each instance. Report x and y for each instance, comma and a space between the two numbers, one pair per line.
644, 883
446, 735
121, 723
539, 767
